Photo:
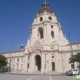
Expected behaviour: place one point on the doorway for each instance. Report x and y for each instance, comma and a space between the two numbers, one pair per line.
53, 66
38, 62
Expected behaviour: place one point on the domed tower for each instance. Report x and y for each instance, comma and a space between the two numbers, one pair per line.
46, 26
46, 39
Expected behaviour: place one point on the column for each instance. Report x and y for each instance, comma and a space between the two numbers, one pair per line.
25, 64
45, 29
50, 62
32, 63
42, 62
47, 62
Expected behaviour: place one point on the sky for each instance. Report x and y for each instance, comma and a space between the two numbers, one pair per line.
16, 17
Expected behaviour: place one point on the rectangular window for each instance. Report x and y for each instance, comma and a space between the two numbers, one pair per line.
10, 60
18, 60
52, 55
51, 26
28, 57
28, 65
77, 46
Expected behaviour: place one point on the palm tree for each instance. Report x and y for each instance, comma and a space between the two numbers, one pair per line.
75, 58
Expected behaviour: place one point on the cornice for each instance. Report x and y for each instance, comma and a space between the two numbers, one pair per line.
44, 23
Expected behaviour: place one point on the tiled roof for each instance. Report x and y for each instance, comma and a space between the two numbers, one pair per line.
45, 9
13, 52
74, 43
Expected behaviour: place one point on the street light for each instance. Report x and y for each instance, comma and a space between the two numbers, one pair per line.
72, 65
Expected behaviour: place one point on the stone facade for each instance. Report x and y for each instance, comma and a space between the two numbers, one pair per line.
47, 48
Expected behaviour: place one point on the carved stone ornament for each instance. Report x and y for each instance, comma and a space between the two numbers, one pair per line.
37, 46
52, 46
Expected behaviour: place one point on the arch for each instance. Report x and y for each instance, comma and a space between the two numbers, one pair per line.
40, 32
41, 18
38, 62
50, 18
52, 34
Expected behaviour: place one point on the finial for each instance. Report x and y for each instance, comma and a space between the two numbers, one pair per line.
45, 5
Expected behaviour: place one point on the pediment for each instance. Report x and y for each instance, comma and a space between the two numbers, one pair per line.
37, 46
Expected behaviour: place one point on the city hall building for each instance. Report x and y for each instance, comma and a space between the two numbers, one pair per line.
47, 48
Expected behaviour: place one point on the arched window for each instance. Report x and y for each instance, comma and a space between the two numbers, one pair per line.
52, 34
51, 26
50, 18
18, 60
41, 18
40, 32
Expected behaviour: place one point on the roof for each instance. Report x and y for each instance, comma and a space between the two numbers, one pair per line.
74, 43
45, 9
13, 52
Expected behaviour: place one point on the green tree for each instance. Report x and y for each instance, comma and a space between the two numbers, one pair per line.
3, 61
75, 58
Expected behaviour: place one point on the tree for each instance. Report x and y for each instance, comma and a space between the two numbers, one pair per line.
75, 58
3, 61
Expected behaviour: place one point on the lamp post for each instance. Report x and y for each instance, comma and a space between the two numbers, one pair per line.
72, 65
9, 67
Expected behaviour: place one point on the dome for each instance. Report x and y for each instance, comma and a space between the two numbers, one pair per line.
45, 9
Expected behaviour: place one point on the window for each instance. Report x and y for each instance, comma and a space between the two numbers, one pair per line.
52, 55
41, 19
10, 60
28, 57
40, 32
52, 34
50, 18
72, 66
77, 46
28, 65
18, 60
51, 26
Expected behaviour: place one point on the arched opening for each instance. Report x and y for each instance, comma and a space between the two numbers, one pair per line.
38, 62
52, 34
50, 18
41, 18
40, 30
